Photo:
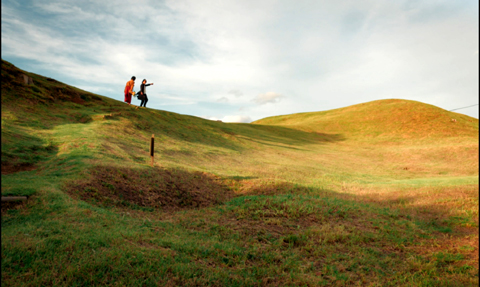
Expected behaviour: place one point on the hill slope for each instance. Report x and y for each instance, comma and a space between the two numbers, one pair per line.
342, 197
382, 119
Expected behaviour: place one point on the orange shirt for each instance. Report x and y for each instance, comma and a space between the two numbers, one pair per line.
129, 86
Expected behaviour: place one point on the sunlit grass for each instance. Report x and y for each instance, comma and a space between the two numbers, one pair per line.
335, 198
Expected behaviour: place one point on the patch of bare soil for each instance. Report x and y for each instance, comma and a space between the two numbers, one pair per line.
8, 168
168, 189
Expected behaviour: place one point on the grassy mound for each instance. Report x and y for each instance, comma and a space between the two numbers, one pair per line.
146, 188
382, 119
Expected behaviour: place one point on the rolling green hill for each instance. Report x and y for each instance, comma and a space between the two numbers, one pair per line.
383, 119
381, 193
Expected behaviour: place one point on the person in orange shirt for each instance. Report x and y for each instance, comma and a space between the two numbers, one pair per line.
129, 90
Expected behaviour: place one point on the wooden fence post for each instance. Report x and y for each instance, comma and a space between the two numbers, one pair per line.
152, 148
14, 198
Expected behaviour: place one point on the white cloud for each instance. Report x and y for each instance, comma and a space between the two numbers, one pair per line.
222, 100
230, 119
324, 54
269, 97
211, 118
238, 93
237, 119
172, 100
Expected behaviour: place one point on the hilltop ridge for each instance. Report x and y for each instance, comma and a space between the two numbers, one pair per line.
19, 85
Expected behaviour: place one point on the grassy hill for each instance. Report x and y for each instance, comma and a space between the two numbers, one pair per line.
382, 120
381, 193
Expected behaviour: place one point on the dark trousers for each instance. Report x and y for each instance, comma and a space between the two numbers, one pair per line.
144, 101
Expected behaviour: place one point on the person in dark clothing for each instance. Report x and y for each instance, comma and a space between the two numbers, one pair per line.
143, 93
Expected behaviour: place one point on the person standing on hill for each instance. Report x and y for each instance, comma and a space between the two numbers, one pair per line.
129, 90
143, 93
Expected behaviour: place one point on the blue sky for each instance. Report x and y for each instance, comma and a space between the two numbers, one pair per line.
240, 61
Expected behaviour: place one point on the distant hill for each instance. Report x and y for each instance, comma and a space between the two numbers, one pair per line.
383, 118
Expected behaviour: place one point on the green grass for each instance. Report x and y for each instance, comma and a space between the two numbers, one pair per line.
379, 194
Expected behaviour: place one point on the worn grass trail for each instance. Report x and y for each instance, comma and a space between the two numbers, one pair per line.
348, 197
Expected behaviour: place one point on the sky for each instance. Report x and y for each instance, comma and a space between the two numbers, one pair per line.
240, 61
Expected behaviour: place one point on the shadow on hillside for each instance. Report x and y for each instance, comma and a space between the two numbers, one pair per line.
273, 136
435, 205
227, 135
264, 142
22, 151
446, 214
289, 136
438, 212
441, 224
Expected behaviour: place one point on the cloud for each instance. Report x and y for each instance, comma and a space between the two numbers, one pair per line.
236, 93
323, 54
231, 119
236, 119
269, 97
171, 100
222, 100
